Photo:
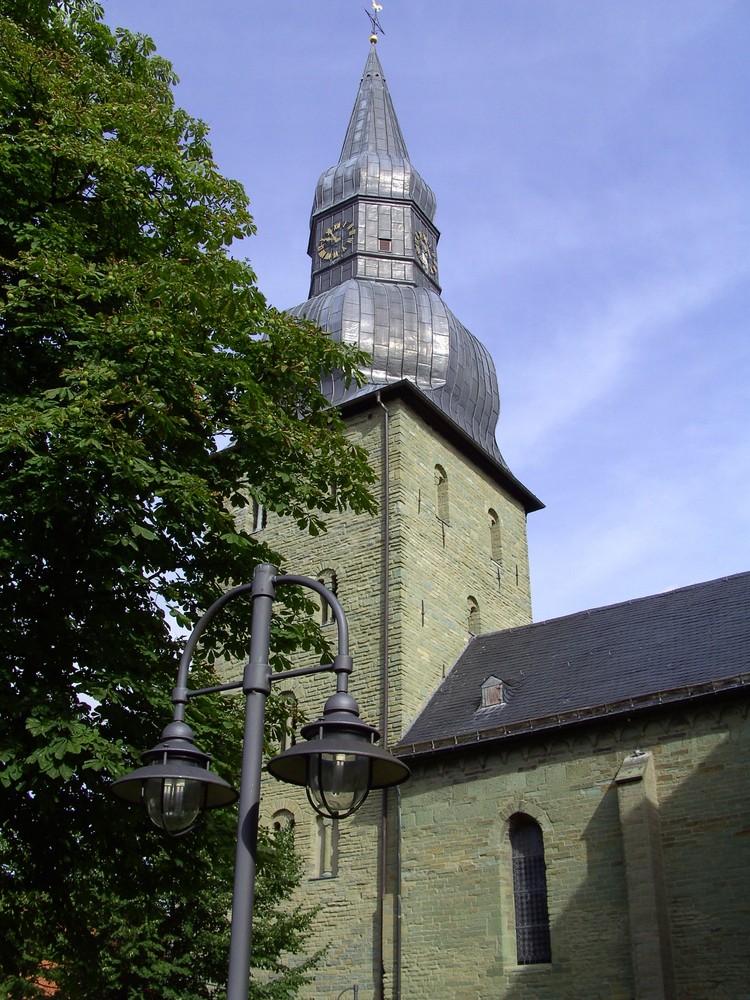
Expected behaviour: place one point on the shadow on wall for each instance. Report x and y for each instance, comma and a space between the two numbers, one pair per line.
704, 832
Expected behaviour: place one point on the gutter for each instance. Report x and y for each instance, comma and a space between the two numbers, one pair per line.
578, 716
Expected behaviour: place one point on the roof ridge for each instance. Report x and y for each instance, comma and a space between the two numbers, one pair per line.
617, 604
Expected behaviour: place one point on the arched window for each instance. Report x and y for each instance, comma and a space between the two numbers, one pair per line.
441, 487
283, 819
496, 536
474, 619
328, 578
530, 891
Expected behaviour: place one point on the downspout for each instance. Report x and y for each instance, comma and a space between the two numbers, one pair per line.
385, 494
397, 942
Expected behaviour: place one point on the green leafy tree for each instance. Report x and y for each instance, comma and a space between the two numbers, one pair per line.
133, 348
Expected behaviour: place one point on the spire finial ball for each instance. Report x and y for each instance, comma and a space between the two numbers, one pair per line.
374, 39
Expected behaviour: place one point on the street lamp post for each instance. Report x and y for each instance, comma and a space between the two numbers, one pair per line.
338, 762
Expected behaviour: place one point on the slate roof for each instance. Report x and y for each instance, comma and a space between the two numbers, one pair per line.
663, 649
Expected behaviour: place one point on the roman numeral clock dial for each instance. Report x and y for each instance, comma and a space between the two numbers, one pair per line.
336, 240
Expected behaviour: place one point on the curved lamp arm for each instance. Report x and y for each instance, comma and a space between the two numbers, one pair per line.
264, 583
180, 693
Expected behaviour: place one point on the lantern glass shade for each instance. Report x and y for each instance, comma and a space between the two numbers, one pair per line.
338, 783
173, 804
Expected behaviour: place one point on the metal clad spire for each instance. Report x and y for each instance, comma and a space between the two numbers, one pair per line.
373, 126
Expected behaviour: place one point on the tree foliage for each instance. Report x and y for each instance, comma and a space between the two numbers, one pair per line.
133, 345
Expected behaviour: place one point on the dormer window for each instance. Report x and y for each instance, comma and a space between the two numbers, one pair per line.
492, 692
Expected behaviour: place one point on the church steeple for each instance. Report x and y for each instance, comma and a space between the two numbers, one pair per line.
373, 126
373, 244
446, 550
394, 237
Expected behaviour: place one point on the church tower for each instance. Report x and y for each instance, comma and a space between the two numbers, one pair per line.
445, 557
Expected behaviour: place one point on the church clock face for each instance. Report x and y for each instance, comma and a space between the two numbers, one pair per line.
336, 241
425, 252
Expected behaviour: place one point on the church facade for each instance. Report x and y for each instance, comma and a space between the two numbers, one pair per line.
577, 823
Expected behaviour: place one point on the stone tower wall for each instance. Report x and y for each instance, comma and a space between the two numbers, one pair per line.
439, 564
434, 567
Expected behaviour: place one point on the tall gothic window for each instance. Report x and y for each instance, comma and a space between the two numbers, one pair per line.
441, 487
530, 891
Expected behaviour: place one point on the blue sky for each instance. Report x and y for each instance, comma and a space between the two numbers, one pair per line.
590, 161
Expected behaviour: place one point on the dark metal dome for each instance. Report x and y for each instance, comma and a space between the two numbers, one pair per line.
411, 334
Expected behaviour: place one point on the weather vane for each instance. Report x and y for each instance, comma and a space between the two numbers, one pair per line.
376, 25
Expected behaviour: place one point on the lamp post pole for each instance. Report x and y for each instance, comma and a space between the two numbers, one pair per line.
256, 686
338, 761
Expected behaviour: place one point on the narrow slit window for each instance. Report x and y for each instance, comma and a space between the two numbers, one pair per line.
291, 713
258, 517
496, 536
441, 487
328, 578
326, 847
474, 618
530, 891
